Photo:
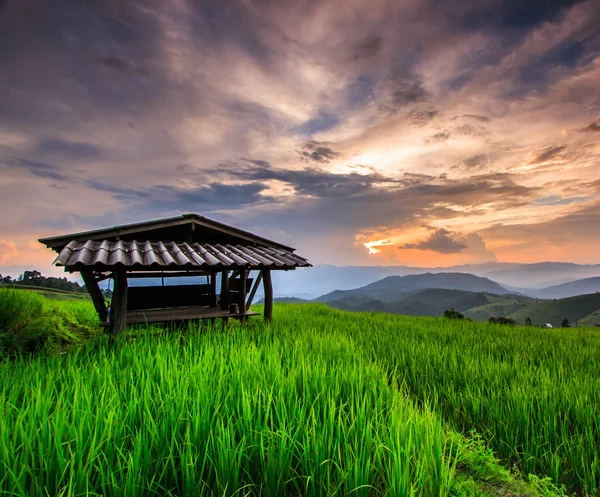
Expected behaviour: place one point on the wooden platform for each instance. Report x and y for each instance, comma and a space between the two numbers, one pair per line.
180, 314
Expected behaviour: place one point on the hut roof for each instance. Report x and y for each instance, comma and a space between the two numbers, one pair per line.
172, 229
101, 255
190, 241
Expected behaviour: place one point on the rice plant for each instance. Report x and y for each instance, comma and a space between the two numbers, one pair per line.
320, 402
216, 414
533, 394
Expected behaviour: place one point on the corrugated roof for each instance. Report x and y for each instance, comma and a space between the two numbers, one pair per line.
143, 229
148, 254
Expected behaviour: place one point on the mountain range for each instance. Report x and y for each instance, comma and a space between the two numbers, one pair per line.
517, 278
476, 297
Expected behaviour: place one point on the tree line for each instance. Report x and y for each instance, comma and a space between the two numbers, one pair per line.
35, 278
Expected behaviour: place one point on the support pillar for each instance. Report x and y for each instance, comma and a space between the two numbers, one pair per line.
225, 297
268, 289
97, 298
253, 291
243, 291
118, 312
213, 289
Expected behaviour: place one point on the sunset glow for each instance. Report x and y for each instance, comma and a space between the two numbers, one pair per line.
368, 133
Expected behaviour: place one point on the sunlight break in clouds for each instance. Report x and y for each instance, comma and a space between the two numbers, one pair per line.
383, 132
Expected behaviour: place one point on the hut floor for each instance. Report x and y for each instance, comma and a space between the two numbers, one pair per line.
180, 314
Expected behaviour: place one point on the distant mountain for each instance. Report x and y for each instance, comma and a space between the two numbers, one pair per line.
394, 288
578, 287
323, 279
544, 274
432, 302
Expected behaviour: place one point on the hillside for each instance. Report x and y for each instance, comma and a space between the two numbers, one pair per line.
498, 306
571, 289
555, 311
516, 277
433, 302
50, 293
592, 320
394, 288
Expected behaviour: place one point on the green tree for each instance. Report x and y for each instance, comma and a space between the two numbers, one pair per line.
452, 314
565, 323
528, 321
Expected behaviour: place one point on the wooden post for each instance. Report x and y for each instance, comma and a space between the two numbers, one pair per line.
268, 288
243, 291
253, 291
225, 290
213, 289
97, 298
119, 302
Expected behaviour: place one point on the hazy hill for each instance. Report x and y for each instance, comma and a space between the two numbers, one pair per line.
394, 288
323, 279
431, 302
578, 287
543, 274
499, 306
591, 320
555, 311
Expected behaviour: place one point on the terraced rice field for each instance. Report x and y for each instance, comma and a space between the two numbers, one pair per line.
321, 402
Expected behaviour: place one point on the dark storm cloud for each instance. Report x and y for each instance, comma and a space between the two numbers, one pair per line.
405, 202
322, 122
212, 196
476, 161
453, 130
421, 117
402, 90
121, 65
312, 182
367, 48
65, 149
39, 169
476, 117
360, 201
547, 154
318, 152
438, 137
595, 126
440, 241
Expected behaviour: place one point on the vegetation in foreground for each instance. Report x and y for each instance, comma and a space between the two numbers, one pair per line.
31, 322
304, 407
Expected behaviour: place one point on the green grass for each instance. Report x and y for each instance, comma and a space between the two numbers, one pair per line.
50, 293
30, 322
532, 394
320, 402
251, 412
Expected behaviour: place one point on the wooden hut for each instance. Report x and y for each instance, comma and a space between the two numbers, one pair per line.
178, 247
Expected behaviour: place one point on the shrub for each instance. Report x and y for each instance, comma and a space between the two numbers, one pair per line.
452, 314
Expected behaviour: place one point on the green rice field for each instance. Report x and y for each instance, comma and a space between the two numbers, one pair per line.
320, 402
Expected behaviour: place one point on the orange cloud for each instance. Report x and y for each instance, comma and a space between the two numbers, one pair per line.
8, 251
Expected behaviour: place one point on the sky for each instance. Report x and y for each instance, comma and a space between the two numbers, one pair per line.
379, 132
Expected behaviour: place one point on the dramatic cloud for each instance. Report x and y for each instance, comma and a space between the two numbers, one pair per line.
595, 126
318, 152
547, 154
349, 128
440, 241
